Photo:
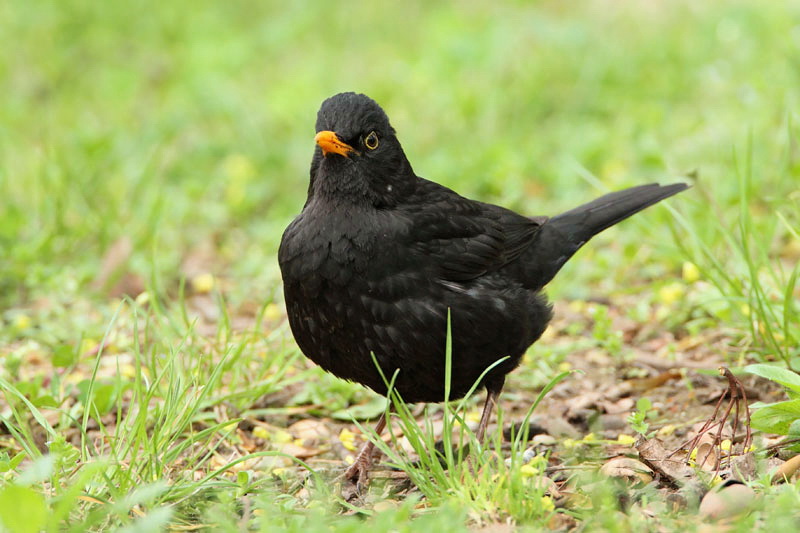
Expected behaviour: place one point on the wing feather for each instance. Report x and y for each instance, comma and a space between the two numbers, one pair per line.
463, 239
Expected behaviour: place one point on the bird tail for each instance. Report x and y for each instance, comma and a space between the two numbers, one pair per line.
561, 236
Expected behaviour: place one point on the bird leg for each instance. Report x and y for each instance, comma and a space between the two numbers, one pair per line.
492, 396
358, 473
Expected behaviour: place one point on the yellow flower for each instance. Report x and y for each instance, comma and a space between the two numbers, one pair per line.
260, 433
348, 439
669, 294
127, 370
473, 416
203, 283
88, 345
577, 306
272, 312
690, 272
22, 321
548, 504
667, 430
282, 437
626, 440
143, 298
528, 470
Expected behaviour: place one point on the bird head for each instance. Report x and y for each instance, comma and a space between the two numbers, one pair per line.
358, 157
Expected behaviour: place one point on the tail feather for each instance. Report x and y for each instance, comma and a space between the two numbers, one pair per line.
561, 236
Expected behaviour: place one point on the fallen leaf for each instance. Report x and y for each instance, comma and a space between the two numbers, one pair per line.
706, 455
641, 385
309, 430
624, 405
653, 454
627, 468
301, 452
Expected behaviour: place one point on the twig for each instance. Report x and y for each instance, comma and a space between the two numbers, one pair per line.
738, 398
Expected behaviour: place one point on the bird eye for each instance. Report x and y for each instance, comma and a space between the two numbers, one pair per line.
371, 140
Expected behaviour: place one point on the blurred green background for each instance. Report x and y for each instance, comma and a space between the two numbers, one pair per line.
181, 123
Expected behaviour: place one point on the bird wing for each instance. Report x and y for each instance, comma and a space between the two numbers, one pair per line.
463, 239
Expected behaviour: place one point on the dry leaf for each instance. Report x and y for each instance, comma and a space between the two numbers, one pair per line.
310, 430
707, 454
624, 405
628, 469
653, 454
301, 452
641, 385
548, 486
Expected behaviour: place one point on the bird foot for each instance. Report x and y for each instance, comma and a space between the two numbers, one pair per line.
356, 477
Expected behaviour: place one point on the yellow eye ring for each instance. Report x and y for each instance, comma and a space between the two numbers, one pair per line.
371, 140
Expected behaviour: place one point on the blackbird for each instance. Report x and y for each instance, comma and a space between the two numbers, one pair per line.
379, 257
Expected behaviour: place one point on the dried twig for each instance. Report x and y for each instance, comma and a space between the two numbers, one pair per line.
738, 399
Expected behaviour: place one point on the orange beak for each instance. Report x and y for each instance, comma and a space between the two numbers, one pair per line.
330, 143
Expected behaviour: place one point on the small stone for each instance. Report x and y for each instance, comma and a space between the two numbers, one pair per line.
732, 498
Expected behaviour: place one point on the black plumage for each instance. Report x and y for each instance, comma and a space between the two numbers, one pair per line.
378, 255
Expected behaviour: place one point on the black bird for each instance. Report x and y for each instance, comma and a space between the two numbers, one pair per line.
379, 255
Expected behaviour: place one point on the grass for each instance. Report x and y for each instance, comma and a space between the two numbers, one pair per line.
151, 155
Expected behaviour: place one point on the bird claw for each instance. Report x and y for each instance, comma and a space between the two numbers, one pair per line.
356, 479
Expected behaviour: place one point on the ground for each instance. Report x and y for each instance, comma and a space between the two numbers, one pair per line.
151, 155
